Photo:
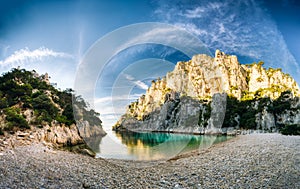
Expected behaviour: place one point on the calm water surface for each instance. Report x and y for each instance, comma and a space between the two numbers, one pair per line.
150, 146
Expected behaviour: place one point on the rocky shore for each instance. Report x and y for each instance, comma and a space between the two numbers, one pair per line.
247, 161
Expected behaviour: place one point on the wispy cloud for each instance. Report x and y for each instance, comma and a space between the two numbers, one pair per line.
195, 13
138, 83
3, 49
117, 98
192, 28
236, 27
26, 55
168, 35
141, 84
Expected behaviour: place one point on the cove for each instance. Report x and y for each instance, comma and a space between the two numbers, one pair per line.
147, 146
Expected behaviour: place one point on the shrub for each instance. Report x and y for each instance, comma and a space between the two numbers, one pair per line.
41, 115
14, 119
68, 114
65, 120
282, 103
44, 104
291, 129
3, 103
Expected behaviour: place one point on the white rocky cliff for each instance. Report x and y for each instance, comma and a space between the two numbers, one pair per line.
194, 97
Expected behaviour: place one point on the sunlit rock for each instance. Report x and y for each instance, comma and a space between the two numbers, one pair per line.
207, 95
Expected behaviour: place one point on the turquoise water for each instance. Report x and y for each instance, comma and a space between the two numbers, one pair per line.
151, 146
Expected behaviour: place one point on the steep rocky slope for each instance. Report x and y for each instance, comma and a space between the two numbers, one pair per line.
32, 110
216, 95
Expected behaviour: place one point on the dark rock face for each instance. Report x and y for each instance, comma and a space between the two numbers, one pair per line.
182, 114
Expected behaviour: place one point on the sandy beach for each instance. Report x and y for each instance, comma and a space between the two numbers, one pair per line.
247, 161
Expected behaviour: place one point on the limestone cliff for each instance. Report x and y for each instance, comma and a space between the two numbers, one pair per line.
197, 97
32, 110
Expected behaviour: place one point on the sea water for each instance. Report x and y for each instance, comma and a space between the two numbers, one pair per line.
151, 145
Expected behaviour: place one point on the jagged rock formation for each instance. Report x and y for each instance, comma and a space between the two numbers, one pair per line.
55, 135
87, 122
198, 95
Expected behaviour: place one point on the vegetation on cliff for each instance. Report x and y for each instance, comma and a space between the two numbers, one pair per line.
245, 114
29, 100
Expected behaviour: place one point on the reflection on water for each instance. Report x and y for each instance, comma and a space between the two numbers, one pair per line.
151, 146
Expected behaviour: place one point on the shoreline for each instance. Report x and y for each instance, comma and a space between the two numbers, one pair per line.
251, 161
198, 152
235, 132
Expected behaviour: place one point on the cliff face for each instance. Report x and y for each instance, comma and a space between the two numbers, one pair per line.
198, 95
32, 110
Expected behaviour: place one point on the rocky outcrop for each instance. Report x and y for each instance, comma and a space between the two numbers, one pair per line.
196, 98
179, 114
32, 110
87, 123
55, 135
86, 130
60, 135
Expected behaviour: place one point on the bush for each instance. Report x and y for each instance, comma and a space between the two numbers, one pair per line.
14, 119
68, 114
65, 120
61, 119
3, 103
41, 115
43, 104
26, 101
291, 129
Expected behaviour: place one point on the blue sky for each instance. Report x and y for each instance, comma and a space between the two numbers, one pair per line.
53, 35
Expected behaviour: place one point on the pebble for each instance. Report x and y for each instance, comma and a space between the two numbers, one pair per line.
237, 163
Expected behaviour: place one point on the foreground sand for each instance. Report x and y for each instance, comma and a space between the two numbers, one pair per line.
247, 161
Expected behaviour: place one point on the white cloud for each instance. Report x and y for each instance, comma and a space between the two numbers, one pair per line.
194, 13
128, 77
26, 55
222, 28
192, 28
215, 5
141, 84
138, 83
116, 98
